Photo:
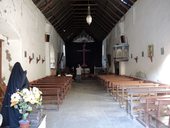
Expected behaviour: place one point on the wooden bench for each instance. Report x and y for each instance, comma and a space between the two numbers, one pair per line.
153, 107
121, 89
136, 93
53, 88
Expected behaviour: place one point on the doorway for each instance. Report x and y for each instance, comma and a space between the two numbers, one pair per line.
117, 68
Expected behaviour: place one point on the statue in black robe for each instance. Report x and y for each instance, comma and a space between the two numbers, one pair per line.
17, 80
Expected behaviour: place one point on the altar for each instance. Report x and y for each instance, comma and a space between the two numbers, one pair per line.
85, 72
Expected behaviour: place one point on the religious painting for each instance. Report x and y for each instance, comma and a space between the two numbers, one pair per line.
150, 50
121, 52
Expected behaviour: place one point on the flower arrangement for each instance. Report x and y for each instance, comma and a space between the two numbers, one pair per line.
25, 99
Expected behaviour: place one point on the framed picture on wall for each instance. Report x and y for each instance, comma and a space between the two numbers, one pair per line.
150, 50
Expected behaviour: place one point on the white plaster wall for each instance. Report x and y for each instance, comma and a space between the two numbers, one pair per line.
28, 23
8, 56
147, 22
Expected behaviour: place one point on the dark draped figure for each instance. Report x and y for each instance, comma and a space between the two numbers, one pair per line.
17, 80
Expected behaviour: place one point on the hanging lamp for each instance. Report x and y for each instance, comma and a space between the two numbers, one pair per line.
89, 17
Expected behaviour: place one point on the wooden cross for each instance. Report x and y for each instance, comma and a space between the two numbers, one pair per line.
84, 50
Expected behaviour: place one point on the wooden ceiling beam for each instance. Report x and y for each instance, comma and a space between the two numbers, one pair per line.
84, 9
38, 3
83, 13
64, 26
64, 20
83, 5
57, 10
48, 4
110, 10
82, 0
52, 8
104, 13
102, 23
116, 7
62, 15
82, 16
104, 18
69, 16
125, 6
101, 26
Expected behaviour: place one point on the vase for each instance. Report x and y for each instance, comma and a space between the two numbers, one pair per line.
24, 123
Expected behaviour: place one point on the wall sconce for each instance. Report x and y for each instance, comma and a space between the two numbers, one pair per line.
38, 59
31, 58
136, 59
43, 59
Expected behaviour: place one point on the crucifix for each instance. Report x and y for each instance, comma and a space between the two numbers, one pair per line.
84, 50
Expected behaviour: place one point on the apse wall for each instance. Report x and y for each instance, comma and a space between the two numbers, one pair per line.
147, 23
23, 29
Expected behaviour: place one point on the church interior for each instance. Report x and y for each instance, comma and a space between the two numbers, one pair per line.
121, 47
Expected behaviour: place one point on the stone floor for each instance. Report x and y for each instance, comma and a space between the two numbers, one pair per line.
87, 105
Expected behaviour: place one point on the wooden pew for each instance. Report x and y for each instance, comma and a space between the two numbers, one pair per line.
160, 114
107, 79
121, 89
53, 88
150, 108
136, 93
125, 89
118, 85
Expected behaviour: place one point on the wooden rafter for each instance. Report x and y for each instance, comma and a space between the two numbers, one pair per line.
69, 16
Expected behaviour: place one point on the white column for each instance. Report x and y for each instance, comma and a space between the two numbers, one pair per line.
47, 58
122, 68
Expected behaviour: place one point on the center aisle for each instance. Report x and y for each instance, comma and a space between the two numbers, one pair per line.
87, 105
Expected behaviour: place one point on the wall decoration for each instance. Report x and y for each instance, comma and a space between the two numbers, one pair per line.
10, 67
43, 59
136, 59
121, 52
151, 51
25, 53
142, 53
31, 58
131, 55
8, 55
38, 59
162, 51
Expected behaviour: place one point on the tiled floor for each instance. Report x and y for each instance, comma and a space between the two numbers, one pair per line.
87, 105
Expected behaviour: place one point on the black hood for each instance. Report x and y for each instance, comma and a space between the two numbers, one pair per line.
17, 80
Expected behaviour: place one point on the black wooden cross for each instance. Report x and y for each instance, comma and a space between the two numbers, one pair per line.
84, 50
